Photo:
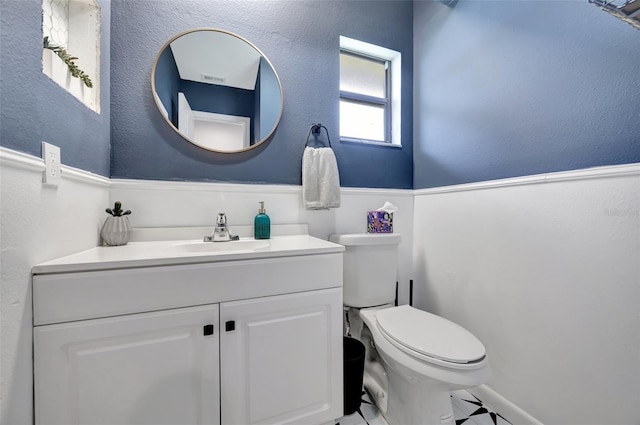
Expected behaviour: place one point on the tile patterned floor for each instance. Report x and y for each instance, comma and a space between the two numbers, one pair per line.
467, 410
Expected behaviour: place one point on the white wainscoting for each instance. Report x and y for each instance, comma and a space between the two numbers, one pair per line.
545, 270
175, 204
38, 223
41, 223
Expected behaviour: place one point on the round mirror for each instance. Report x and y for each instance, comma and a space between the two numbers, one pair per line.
217, 90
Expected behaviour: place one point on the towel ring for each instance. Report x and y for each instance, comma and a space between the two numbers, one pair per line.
315, 129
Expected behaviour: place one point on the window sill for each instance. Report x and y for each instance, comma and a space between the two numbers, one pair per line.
370, 142
58, 71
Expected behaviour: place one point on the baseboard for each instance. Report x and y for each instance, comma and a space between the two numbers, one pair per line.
507, 409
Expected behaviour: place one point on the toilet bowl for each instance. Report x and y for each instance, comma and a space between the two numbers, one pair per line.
413, 358
424, 357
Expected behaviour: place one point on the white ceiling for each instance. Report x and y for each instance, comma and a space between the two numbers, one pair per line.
216, 58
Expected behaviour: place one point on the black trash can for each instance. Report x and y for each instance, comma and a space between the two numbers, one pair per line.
353, 369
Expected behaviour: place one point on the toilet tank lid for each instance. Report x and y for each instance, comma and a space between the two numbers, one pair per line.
366, 239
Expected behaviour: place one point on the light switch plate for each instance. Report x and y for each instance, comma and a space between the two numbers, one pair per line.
51, 157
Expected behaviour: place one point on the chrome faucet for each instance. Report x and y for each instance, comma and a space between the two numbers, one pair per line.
221, 231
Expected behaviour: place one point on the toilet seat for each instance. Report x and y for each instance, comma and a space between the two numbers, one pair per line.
429, 337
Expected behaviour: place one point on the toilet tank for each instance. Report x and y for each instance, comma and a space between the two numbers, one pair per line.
369, 268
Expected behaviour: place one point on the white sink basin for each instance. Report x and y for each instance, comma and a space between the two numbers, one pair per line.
230, 246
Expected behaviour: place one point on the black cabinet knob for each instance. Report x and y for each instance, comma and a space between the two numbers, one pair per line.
230, 325
207, 330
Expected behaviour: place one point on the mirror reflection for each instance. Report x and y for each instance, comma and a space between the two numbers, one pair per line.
217, 90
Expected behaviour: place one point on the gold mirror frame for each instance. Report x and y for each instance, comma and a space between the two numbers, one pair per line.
162, 109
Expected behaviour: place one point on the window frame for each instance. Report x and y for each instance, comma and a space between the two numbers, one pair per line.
369, 100
393, 87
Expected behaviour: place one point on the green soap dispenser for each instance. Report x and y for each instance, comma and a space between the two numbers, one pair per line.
262, 224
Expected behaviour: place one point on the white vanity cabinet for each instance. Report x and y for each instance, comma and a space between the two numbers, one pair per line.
151, 368
253, 341
279, 363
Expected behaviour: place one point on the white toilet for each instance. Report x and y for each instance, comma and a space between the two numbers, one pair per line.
413, 358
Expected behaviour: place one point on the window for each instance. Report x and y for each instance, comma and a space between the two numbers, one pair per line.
71, 47
364, 97
369, 93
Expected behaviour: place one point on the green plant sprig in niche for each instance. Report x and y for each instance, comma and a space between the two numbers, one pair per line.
117, 210
69, 60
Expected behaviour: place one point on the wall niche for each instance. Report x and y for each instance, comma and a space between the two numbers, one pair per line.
71, 47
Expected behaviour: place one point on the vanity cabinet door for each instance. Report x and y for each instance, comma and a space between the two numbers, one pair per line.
281, 359
147, 368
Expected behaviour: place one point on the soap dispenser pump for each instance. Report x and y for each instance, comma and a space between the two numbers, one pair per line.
262, 224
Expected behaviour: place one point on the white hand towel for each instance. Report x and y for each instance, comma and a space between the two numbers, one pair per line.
320, 179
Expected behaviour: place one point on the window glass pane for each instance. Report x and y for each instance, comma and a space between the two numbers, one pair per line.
361, 121
362, 75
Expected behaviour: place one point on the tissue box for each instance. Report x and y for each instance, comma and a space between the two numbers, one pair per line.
379, 222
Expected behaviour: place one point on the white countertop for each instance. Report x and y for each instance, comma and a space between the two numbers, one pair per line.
175, 252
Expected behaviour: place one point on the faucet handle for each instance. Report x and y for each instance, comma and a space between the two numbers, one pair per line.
222, 219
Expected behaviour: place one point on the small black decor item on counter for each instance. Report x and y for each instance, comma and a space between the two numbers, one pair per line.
116, 229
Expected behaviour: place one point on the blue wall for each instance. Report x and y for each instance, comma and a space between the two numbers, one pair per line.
33, 108
301, 39
513, 88
167, 81
503, 89
219, 99
269, 95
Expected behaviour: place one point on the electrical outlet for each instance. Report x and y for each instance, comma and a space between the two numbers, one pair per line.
51, 157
